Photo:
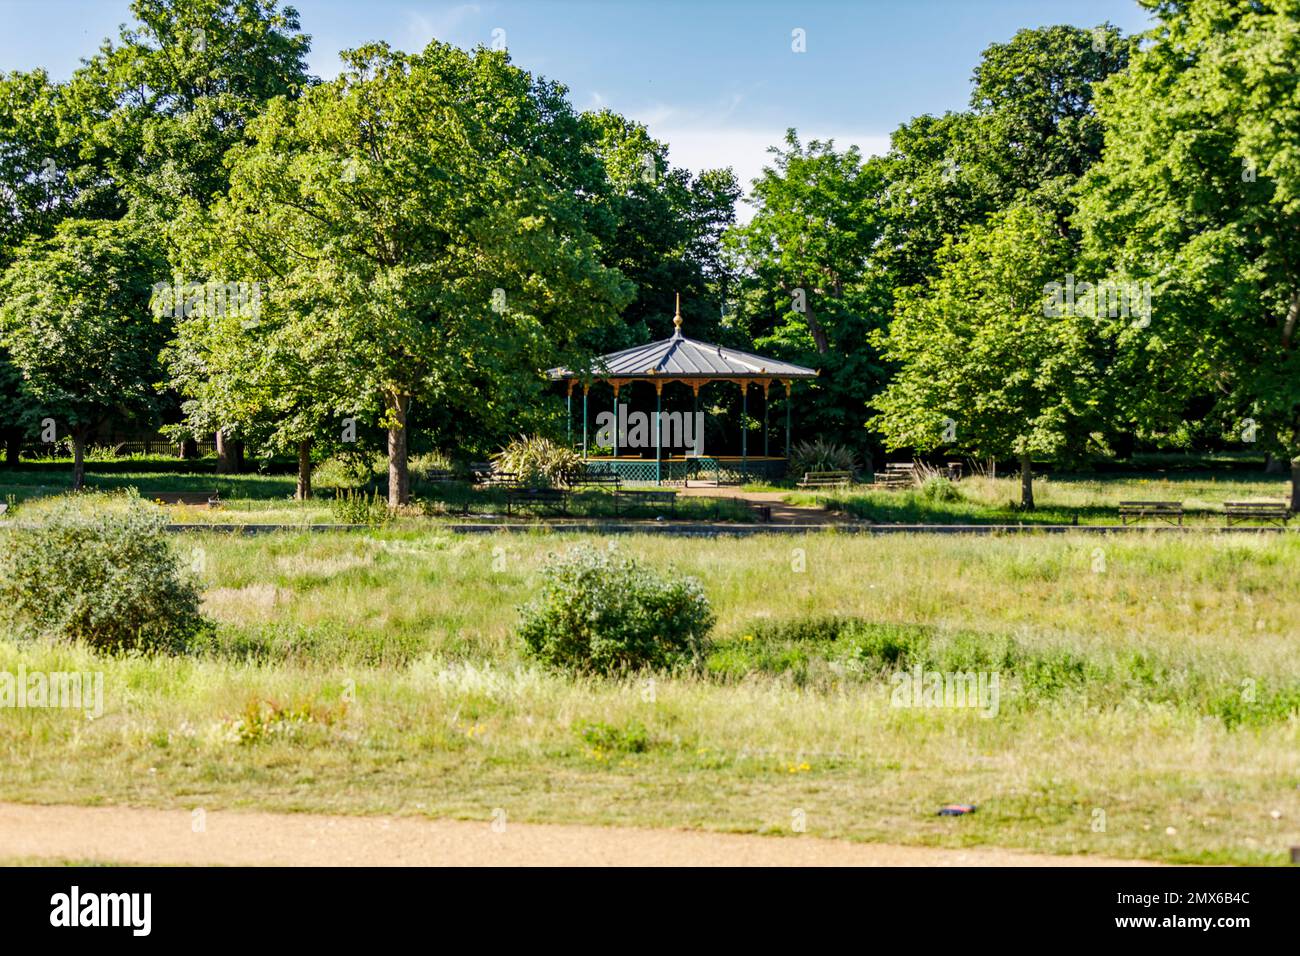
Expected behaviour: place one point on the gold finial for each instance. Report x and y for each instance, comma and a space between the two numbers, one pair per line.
677, 319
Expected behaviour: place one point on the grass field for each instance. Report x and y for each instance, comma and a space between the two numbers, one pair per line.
1059, 499
1149, 690
1062, 498
269, 498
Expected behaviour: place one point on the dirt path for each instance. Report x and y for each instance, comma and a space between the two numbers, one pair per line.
782, 513
125, 835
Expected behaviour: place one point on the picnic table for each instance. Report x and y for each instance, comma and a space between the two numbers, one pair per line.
897, 474
1271, 511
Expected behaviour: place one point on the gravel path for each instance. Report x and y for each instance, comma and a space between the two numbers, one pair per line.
126, 835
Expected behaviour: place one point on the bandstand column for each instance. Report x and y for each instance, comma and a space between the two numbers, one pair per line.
786, 383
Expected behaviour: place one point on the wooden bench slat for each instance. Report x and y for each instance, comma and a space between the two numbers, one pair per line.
544, 497
1150, 509
1259, 510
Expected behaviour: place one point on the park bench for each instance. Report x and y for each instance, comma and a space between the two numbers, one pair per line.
498, 478
897, 474
647, 498
552, 498
596, 479
1162, 510
1271, 511
4, 506
439, 475
825, 479
481, 472
953, 470
182, 497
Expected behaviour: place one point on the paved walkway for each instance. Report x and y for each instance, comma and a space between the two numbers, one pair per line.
236, 838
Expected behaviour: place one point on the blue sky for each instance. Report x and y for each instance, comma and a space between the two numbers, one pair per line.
718, 81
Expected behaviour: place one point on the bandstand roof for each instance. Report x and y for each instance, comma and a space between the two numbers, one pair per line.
680, 357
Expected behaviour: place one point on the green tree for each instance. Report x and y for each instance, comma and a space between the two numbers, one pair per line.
75, 318
662, 228
36, 193
159, 108
418, 200
807, 290
1031, 131
985, 368
1199, 193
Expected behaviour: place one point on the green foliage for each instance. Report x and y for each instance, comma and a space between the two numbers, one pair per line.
107, 577
940, 489
1199, 194
538, 462
602, 613
984, 369
357, 506
822, 455
806, 292
480, 270
632, 738
74, 317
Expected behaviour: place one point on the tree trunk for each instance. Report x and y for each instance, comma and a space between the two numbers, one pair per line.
78, 459
304, 471
189, 449
818, 333
1026, 483
13, 447
399, 480
230, 455
1295, 485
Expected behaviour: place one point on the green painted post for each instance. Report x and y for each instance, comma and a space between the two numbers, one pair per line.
584, 421
744, 428
658, 408
568, 415
787, 424
765, 454
615, 466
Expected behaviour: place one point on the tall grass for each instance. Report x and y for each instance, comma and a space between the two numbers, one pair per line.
379, 673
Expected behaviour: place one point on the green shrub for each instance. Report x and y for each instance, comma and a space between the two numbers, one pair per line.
423, 465
606, 738
350, 469
538, 462
940, 489
351, 506
108, 578
601, 613
818, 455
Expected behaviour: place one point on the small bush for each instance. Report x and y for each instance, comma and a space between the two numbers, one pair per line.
606, 738
821, 455
601, 613
351, 506
538, 462
940, 489
423, 465
108, 578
